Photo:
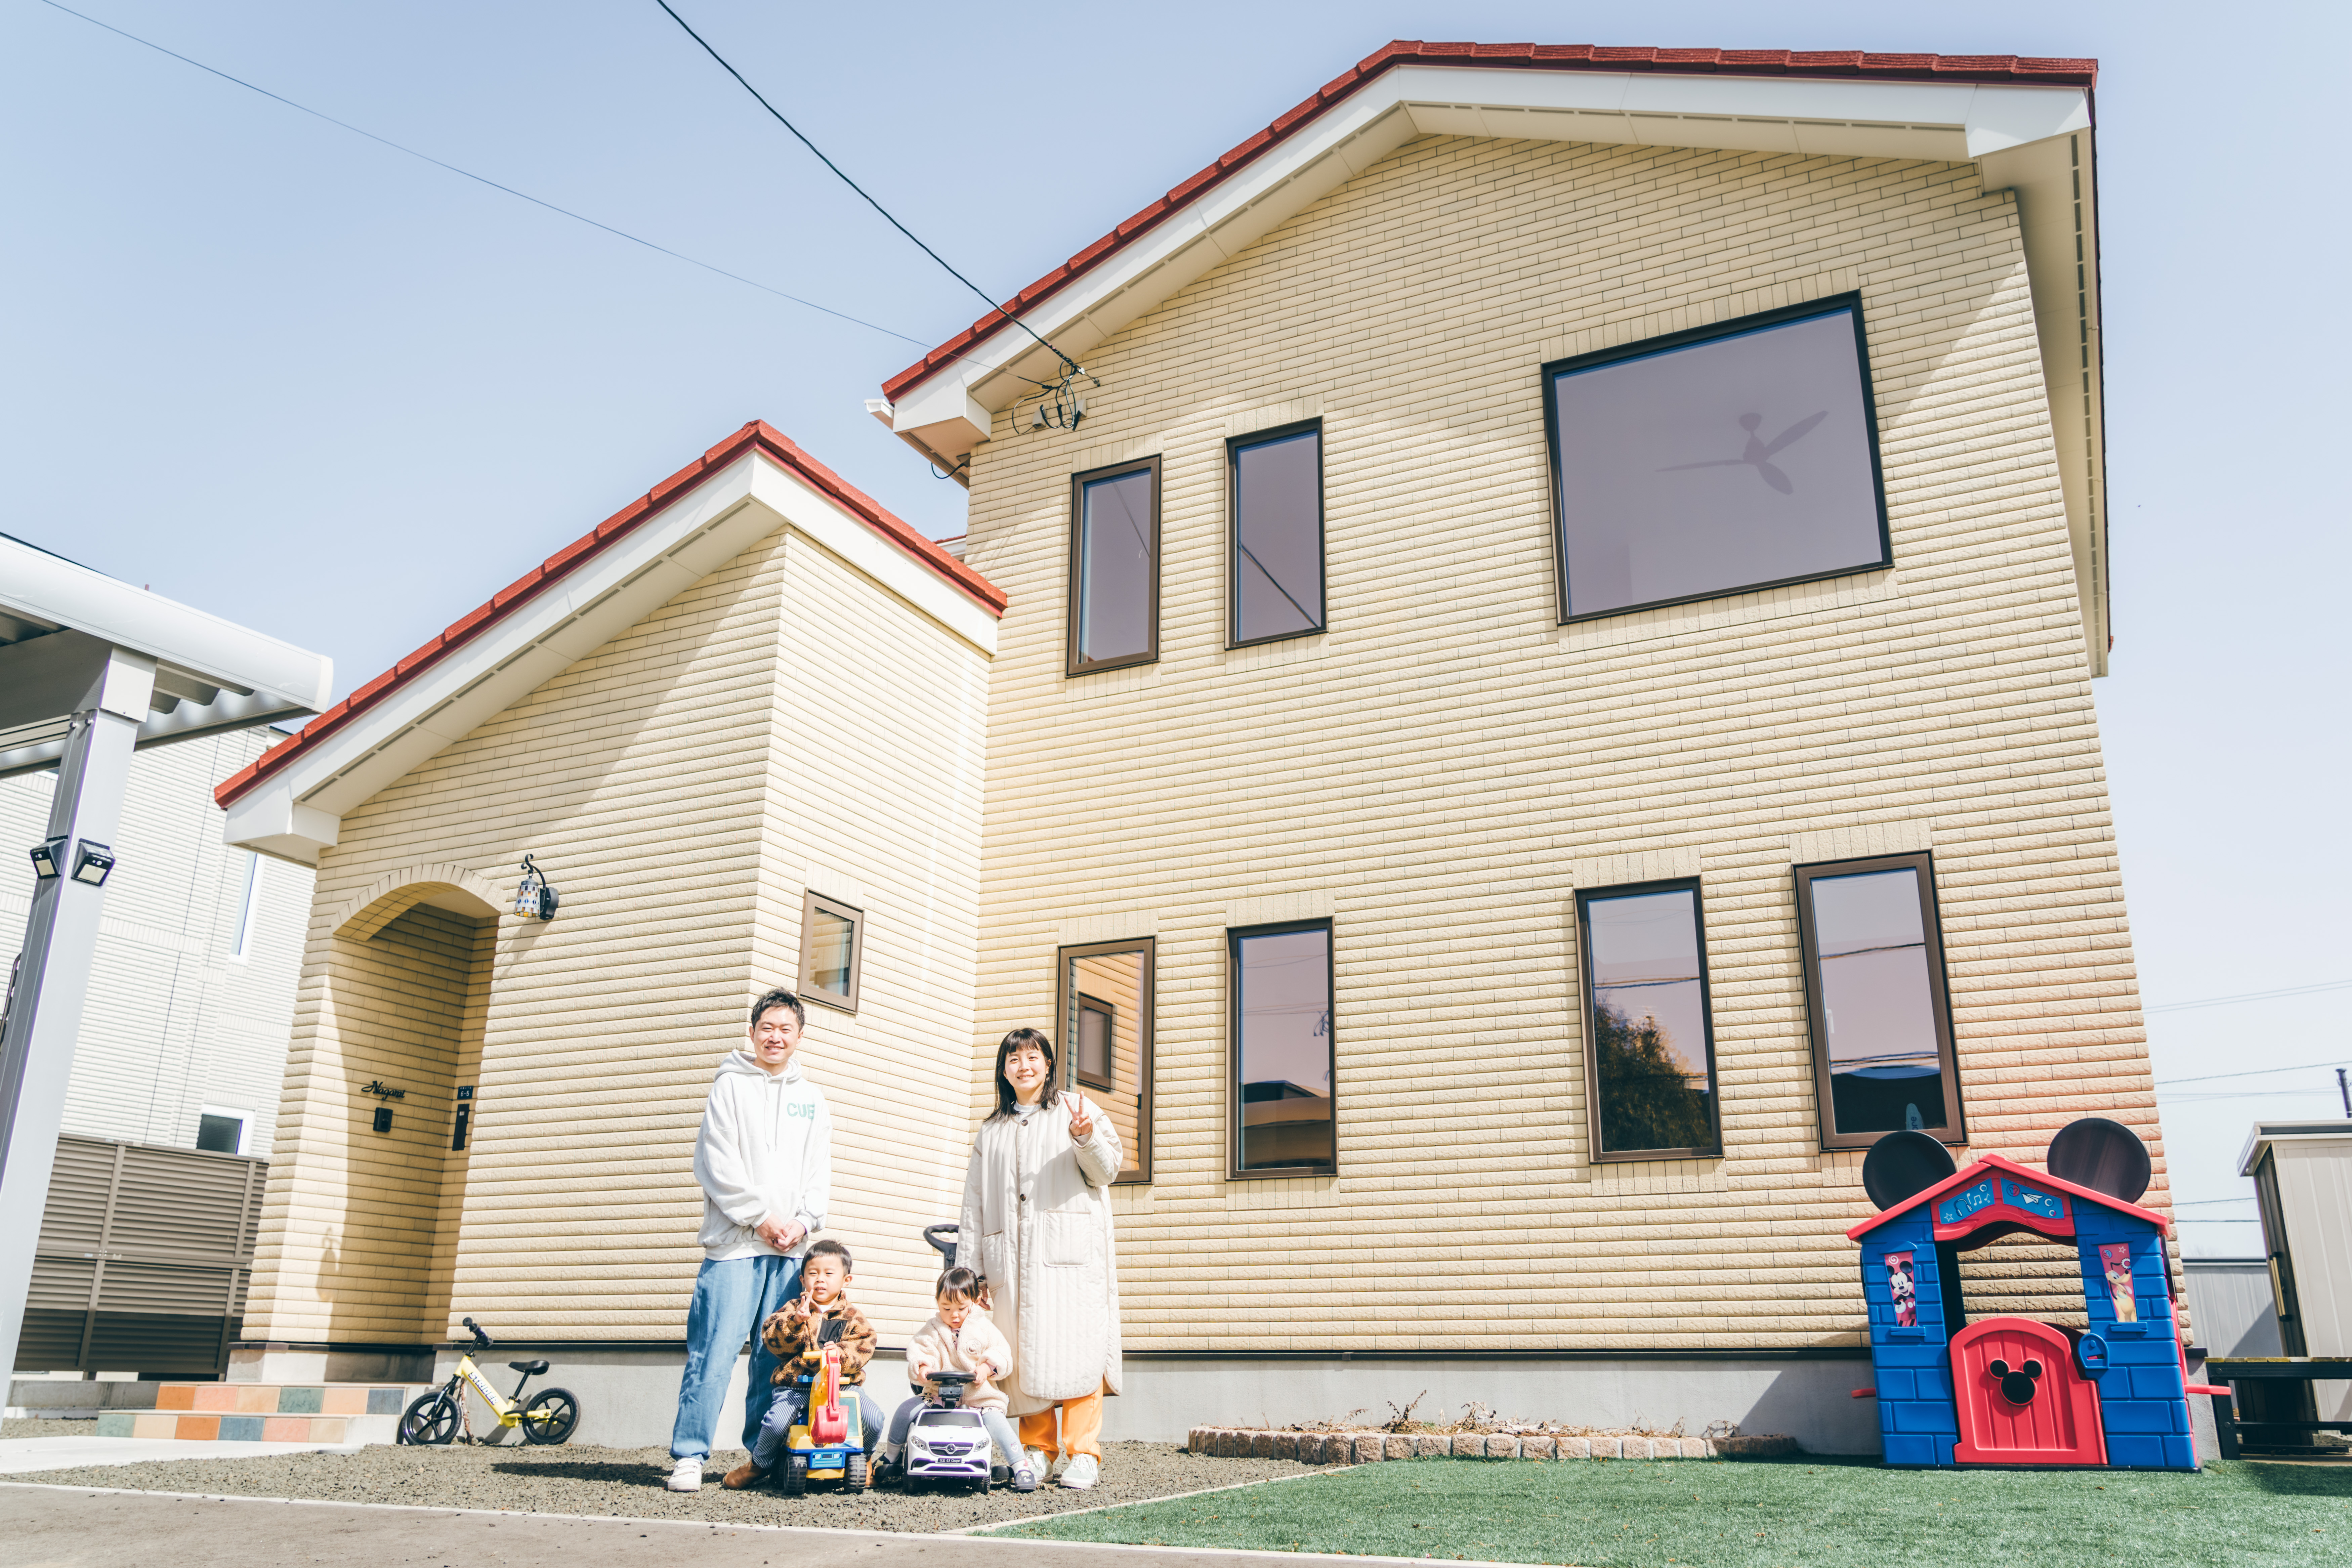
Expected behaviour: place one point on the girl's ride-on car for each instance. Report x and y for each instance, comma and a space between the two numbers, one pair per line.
946, 1442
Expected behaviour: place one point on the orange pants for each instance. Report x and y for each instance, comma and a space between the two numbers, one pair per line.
1081, 1427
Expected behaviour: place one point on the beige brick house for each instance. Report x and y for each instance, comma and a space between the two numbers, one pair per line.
1579, 571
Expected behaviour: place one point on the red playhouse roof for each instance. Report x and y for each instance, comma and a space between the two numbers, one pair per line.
1836, 64
1960, 1179
755, 437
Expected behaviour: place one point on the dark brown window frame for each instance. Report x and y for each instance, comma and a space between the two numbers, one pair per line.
1073, 665
1689, 338
1108, 1083
1955, 1130
811, 902
1147, 1017
1234, 936
1233, 447
1584, 899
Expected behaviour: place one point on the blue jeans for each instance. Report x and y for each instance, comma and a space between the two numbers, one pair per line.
789, 1411
731, 1300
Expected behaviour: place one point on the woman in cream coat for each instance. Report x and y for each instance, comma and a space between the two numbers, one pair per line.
1036, 1222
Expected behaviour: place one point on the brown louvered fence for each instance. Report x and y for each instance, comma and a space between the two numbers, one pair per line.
142, 1260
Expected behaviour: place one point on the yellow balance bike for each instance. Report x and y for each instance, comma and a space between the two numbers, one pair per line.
548, 1416
829, 1443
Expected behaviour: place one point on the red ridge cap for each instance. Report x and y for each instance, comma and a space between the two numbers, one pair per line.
757, 435
1967, 1176
1829, 63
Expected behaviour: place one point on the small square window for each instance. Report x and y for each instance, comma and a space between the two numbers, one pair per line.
1106, 998
1283, 1101
832, 951
1715, 461
221, 1131
1881, 1023
1648, 1059
1114, 566
1277, 502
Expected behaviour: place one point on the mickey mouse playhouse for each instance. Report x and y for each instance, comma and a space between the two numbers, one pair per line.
2011, 1391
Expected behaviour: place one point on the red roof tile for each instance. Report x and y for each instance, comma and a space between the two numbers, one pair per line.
756, 436
1998, 68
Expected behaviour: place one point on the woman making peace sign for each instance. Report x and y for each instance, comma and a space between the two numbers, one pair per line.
1036, 1222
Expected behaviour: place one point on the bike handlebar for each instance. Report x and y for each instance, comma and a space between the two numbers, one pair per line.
480, 1339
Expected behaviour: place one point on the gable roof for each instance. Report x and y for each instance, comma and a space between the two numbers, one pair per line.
1976, 1172
576, 558
1829, 65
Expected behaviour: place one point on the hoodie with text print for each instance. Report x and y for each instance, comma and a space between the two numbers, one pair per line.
765, 1150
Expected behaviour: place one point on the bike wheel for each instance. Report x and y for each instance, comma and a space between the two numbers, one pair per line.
430, 1419
550, 1415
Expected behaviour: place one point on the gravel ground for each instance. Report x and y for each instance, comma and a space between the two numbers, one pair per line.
628, 1481
37, 1426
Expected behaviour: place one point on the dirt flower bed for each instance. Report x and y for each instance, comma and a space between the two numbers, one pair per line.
1478, 1434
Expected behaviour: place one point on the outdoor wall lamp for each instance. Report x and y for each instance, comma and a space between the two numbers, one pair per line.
535, 897
382, 1092
93, 863
49, 859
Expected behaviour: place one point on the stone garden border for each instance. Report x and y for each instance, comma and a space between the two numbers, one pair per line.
1369, 1447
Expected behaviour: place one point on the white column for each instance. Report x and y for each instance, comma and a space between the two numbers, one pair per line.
37, 1050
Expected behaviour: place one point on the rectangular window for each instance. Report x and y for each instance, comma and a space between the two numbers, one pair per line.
1874, 987
1649, 1064
1277, 502
248, 907
1107, 1015
221, 1131
832, 949
1280, 984
1114, 566
1715, 461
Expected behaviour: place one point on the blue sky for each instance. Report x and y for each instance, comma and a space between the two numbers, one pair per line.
300, 379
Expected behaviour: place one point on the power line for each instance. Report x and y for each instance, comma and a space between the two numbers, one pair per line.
1074, 367
482, 180
2252, 1072
2252, 996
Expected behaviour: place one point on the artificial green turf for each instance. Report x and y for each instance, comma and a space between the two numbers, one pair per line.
1712, 1514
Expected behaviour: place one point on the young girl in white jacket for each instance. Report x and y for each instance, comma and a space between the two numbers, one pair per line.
959, 1338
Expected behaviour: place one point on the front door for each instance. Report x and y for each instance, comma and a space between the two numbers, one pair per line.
2022, 1401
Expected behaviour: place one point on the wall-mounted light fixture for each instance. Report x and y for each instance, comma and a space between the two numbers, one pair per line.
535, 896
383, 1118
93, 863
384, 1092
49, 859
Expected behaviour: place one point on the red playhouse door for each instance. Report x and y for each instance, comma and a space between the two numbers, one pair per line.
2022, 1401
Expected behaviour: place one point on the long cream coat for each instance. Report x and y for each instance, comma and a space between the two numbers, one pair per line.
1036, 1221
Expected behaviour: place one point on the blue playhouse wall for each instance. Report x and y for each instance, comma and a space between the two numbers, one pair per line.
1918, 1421
2143, 1403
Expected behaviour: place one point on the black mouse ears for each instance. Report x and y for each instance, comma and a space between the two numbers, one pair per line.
1999, 1368
2103, 1155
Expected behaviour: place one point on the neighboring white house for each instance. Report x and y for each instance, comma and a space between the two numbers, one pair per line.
192, 995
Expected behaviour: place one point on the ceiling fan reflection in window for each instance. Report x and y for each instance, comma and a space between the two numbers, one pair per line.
1760, 452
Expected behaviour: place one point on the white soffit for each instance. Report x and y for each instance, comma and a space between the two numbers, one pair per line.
1947, 121
296, 812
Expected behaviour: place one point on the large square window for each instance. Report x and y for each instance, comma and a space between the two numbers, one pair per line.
1874, 989
1280, 996
1114, 566
1649, 1062
1710, 462
1106, 1021
1277, 544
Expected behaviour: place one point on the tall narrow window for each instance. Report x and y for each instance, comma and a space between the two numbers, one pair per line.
1114, 566
831, 943
1874, 987
1105, 1006
1280, 981
1649, 1062
1716, 460
1278, 555
247, 909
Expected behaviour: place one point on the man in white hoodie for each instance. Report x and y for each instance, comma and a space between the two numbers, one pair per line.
764, 1158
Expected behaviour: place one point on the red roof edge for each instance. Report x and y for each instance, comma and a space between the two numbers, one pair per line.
1847, 65
1968, 1176
756, 436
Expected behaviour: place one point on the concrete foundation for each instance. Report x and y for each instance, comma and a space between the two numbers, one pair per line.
76, 1399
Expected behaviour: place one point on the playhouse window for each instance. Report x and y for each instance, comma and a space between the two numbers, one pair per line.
1874, 987
1105, 992
1649, 1062
1279, 981
832, 951
1714, 461
1114, 566
1277, 542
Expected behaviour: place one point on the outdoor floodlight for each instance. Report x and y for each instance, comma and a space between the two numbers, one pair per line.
535, 897
93, 863
49, 860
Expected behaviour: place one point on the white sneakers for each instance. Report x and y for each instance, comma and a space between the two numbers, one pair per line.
1039, 1465
1080, 1471
686, 1475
